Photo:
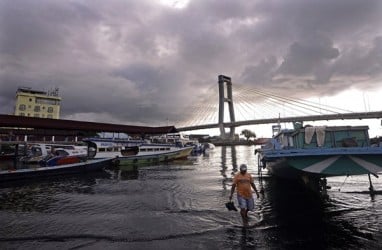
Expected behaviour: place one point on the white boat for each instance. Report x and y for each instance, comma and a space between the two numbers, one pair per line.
30, 173
310, 154
135, 152
40, 151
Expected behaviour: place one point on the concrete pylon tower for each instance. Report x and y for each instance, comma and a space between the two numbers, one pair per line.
225, 81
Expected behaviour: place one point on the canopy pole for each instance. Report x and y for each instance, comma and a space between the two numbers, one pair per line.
16, 157
371, 188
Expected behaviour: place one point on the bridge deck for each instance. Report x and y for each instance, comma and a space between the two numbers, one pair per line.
343, 116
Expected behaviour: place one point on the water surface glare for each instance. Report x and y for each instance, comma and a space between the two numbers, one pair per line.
181, 206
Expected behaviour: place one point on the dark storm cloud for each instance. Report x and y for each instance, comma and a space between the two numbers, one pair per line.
261, 73
41, 29
362, 60
304, 58
313, 37
143, 62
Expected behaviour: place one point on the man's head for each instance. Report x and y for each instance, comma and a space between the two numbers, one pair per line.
243, 168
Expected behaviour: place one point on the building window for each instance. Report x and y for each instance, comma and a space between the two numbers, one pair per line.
50, 116
50, 109
22, 107
30, 99
47, 101
22, 114
36, 115
37, 109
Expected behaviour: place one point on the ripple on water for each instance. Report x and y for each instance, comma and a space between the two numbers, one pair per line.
178, 205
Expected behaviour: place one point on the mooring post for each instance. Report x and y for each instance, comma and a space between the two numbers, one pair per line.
371, 188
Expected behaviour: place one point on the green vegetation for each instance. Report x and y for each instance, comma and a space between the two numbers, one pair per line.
248, 134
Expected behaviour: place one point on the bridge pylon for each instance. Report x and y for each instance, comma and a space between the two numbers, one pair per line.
225, 83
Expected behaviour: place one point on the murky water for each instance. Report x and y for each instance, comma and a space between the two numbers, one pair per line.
181, 206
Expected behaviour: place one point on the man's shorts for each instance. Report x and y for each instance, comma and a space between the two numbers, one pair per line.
245, 203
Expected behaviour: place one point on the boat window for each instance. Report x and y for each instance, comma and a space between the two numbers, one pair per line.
91, 152
102, 150
284, 141
360, 137
346, 138
61, 153
349, 142
142, 149
329, 140
149, 149
36, 151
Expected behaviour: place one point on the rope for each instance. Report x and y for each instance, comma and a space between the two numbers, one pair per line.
343, 183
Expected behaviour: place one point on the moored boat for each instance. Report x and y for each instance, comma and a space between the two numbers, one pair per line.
45, 159
311, 154
89, 165
208, 147
40, 152
61, 156
130, 152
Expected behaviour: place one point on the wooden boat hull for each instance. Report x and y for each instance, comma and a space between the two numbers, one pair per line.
311, 169
332, 163
38, 172
280, 168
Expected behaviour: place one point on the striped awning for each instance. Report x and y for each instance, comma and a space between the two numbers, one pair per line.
339, 164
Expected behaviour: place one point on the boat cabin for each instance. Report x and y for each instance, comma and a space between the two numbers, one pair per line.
322, 137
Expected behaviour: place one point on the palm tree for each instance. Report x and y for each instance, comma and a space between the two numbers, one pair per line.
248, 134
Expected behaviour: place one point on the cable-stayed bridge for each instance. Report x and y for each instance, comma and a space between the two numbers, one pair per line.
248, 106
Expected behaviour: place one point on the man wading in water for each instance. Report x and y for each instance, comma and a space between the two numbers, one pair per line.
244, 181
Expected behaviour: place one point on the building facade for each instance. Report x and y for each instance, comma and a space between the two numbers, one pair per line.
36, 103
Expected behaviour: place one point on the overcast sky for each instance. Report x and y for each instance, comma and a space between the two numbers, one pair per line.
144, 61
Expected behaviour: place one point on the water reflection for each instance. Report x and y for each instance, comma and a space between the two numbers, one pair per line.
300, 214
127, 175
181, 205
288, 216
226, 164
242, 238
234, 158
38, 194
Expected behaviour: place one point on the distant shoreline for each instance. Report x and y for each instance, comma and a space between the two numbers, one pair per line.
235, 143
